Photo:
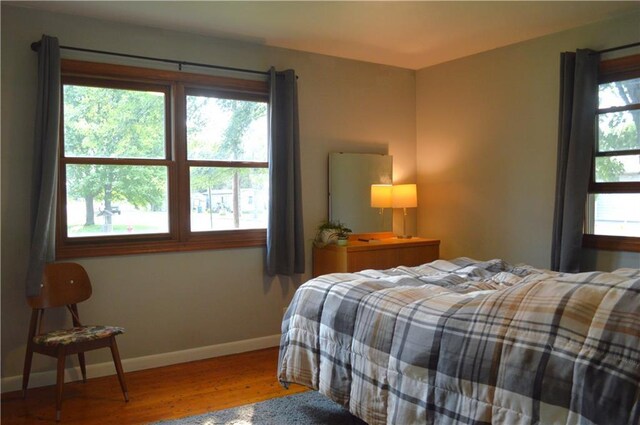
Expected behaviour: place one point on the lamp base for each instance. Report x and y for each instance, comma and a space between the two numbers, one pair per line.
404, 236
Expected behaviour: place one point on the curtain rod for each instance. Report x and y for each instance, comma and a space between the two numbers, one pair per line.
36, 45
613, 49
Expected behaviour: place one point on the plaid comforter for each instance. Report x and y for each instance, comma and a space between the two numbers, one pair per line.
468, 342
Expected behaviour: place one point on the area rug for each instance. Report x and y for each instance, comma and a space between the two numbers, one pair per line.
305, 408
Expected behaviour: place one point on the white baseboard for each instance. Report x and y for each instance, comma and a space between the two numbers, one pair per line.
40, 379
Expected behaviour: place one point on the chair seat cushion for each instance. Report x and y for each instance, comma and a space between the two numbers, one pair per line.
78, 334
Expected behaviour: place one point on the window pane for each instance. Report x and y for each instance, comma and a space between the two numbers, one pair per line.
229, 198
108, 200
616, 214
619, 131
623, 168
619, 93
113, 123
226, 129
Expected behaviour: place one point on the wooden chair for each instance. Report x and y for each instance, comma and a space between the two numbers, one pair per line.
66, 284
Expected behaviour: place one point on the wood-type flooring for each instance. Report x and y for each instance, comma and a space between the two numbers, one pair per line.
161, 393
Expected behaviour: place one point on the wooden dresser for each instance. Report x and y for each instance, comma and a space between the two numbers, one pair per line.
383, 253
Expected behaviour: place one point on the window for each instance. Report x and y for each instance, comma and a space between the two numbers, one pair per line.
227, 153
613, 206
115, 144
160, 161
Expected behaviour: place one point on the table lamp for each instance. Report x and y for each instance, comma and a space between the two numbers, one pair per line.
381, 198
404, 196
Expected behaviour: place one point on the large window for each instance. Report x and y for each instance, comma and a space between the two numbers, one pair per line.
613, 209
160, 161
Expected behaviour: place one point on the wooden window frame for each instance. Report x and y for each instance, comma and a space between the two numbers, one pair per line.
180, 237
614, 70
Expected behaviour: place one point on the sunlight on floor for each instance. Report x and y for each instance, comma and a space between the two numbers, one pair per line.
244, 416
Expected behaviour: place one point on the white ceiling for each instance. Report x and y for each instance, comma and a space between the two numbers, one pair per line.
406, 34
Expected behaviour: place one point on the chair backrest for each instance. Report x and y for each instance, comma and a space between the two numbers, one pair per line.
62, 284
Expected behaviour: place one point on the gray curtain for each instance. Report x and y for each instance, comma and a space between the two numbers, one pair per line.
45, 163
576, 141
285, 238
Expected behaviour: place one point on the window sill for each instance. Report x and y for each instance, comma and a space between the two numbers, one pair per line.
226, 240
611, 243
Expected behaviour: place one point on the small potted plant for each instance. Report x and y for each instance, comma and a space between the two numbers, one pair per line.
343, 235
331, 232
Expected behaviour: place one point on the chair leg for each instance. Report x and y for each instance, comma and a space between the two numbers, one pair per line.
27, 370
116, 361
83, 367
60, 382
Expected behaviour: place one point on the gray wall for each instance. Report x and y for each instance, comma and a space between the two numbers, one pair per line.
179, 301
486, 145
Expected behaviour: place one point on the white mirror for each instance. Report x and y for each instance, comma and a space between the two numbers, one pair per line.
350, 178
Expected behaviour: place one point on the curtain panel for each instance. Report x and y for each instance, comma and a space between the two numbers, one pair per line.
285, 235
576, 142
45, 163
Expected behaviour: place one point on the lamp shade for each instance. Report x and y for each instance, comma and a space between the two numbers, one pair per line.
404, 196
381, 195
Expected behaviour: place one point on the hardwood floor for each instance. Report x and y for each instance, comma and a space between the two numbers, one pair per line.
155, 394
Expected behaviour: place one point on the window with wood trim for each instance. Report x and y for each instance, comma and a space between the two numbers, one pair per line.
154, 160
613, 206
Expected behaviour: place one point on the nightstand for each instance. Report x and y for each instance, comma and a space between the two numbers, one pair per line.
384, 252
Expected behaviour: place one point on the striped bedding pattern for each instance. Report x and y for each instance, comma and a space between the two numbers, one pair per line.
469, 342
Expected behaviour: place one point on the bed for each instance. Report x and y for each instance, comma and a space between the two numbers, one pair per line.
469, 342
